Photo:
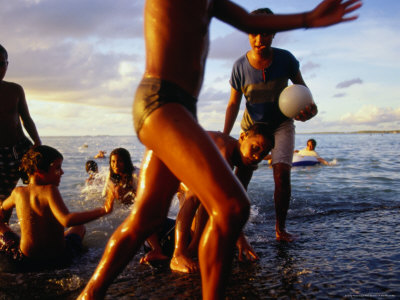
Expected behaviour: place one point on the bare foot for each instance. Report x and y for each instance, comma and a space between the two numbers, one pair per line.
153, 256
183, 264
283, 236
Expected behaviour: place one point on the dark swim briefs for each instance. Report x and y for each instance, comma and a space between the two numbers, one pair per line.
9, 246
152, 93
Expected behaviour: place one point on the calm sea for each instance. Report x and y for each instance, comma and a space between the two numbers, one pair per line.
347, 217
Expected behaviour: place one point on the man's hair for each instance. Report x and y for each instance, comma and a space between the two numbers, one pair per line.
262, 11
39, 158
313, 142
3, 51
261, 128
91, 166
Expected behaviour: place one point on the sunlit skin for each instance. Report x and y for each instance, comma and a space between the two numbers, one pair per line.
14, 112
248, 151
42, 214
177, 40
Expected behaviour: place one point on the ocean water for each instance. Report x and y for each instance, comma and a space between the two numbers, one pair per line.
347, 217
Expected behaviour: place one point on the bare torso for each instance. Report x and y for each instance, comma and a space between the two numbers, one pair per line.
42, 236
227, 145
177, 41
10, 124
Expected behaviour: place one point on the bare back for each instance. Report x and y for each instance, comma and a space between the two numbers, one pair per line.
42, 236
177, 41
227, 145
11, 129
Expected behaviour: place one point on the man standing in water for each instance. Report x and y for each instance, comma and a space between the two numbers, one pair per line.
178, 149
14, 114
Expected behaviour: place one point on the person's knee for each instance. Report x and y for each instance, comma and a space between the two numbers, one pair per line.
233, 216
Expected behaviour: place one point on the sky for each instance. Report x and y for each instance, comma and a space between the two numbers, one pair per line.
80, 61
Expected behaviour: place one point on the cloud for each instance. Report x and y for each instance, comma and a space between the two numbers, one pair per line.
339, 95
348, 83
309, 66
372, 115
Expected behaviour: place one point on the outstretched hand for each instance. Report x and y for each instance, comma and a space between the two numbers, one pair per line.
109, 204
331, 12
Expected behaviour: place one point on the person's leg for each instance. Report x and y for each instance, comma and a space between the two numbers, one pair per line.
282, 156
157, 185
79, 230
282, 196
181, 260
188, 151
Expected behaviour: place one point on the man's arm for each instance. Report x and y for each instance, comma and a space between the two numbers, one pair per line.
328, 12
232, 110
26, 119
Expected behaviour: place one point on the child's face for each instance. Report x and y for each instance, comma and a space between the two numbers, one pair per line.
53, 175
261, 42
254, 148
310, 146
117, 164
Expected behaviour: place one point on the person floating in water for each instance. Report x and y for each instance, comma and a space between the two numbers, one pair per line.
177, 147
310, 151
14, 114
43, 215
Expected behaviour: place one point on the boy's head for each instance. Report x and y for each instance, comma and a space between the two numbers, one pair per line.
311, 144
261, 42
91, 166
3, 62
255, 143
39, 158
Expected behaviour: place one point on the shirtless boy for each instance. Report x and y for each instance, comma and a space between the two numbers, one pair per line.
252, 146
13, 142
43, 215
178, 149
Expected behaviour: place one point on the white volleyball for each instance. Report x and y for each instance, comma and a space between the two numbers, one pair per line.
294, 99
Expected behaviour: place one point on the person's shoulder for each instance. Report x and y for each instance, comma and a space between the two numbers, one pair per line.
281, 52
241, 60
10, 84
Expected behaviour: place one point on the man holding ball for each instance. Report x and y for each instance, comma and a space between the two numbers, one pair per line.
261, 75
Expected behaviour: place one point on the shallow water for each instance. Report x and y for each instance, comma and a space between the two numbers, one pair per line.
346, 217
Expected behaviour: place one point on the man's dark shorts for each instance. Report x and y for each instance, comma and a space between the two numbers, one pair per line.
152, 93
10, 160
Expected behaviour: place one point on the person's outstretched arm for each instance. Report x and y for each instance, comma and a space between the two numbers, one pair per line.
68, 219
328, 12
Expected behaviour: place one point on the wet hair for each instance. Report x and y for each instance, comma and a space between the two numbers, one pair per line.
261, 128
128, 166
91, 166
313, 142
262, 11
39, 159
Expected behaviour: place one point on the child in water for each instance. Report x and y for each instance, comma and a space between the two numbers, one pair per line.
43, 215
92, 169
121, 183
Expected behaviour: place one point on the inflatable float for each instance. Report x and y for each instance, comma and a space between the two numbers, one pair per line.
299, 161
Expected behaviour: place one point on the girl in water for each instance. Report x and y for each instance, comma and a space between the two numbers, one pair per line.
122, 180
